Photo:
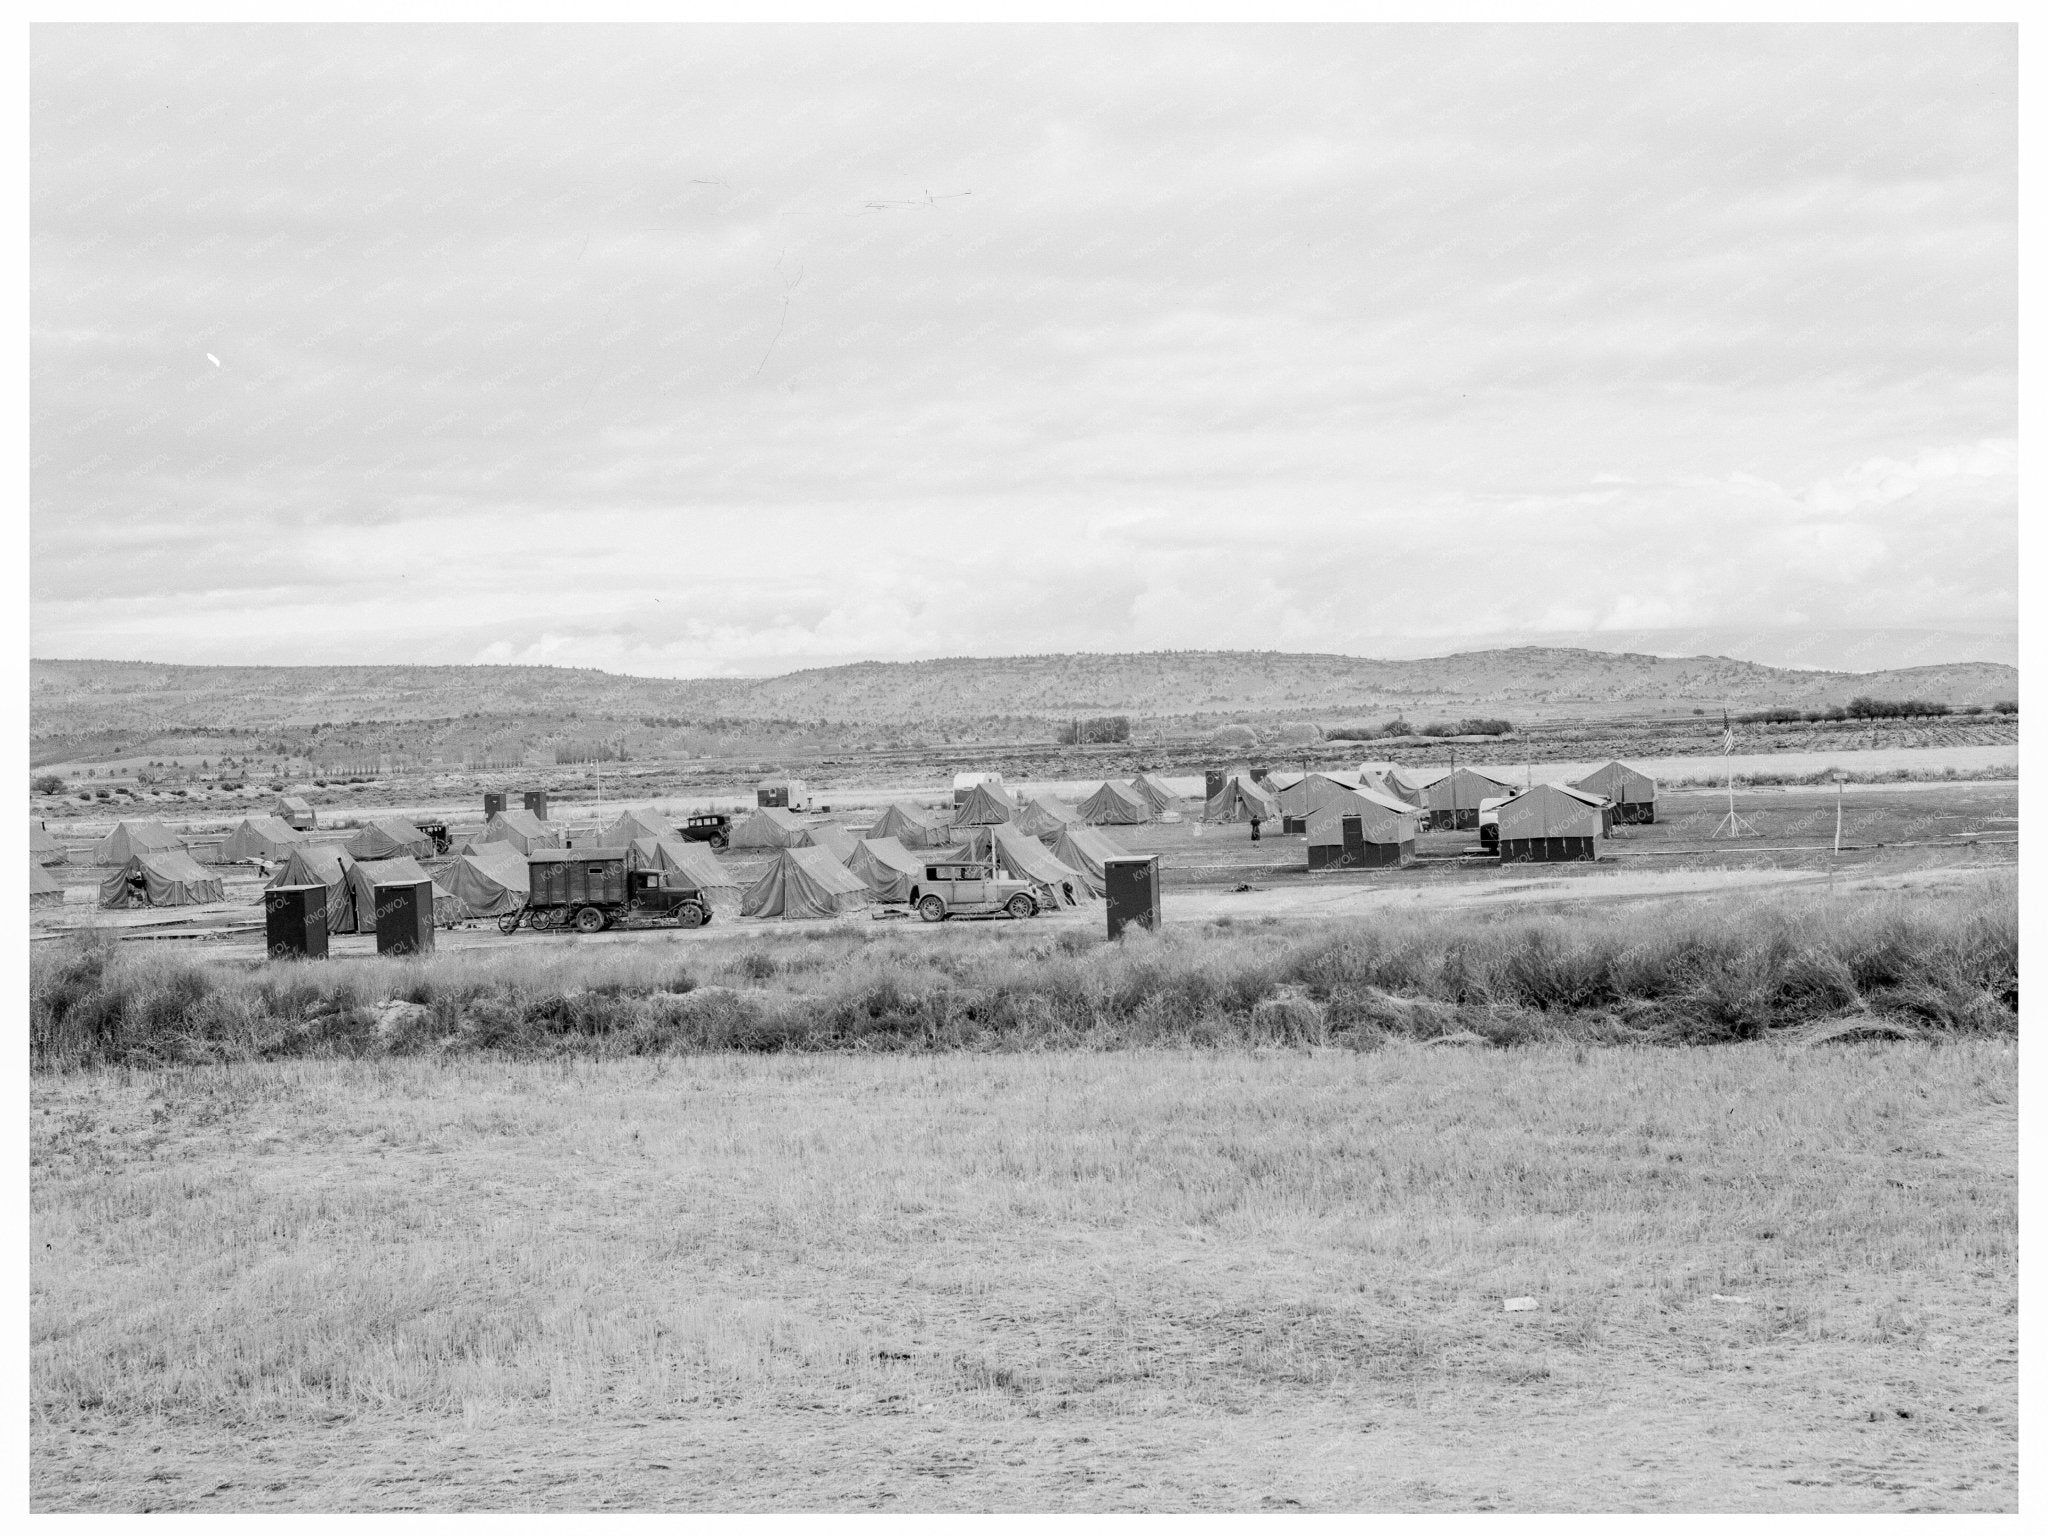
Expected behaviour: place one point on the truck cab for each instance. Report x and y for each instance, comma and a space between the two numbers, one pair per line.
972, 888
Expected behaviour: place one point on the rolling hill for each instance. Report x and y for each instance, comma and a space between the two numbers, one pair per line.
108, 709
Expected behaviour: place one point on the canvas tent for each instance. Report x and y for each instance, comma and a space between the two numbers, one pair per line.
1634, 794
258, 837
1242, 800
1043, 816
1114, 805
910, 828
389, 837
834, 839
770, 827
490, 880
321, 864
695, 862
1549, 823
43, 887
645, 822
1026, 858
366, 875
521, 830
43, 848
132, 837
1307, 795
1361, 828
985, 805
964, 784
1406, 785
804, 883
1453, 800
1082, 849
885, 867
161, 877
1155, 794
296, 812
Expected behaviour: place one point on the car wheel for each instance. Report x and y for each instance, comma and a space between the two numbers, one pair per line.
690, 915
932, 909
721, 842
590, 920
1022, 905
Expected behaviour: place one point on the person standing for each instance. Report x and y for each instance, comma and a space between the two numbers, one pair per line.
1255, 829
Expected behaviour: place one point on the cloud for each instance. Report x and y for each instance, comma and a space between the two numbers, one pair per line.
649, 350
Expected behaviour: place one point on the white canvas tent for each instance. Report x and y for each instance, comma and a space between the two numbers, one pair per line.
804, 883
43, 848
1633, 793
910, 828
162, 877
644, 822
1307, 795
770, 827
490, 880
1241, 800
1026, 858
258, 837
1549, 822
694, 862
1082, 849
132, 837
43, 887
833, 838
521, 830
1361, 827
1114, 805
1155, 794
886, 867
1043, 816
986, 805
389, 837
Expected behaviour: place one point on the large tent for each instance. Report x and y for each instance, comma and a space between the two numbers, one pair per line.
804, 883
43, 887
162, 877
1406, 785
1114, 805
985, 805
695, 862
1550, 823
1043, 816
1026, 858
770, 827
132, 837
964, 784
632, 825
1241, 800
886, 867
489, 880
1082, 849
521, 830
1453, 800
389, 837
910, 828
833, 838
1634, 794
258, 837
1155, 794
43, 848
321, 864
1361, 828
366, 875
1307, 795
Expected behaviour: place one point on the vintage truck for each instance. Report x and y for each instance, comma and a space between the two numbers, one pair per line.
592, 889
971, 888
713, 827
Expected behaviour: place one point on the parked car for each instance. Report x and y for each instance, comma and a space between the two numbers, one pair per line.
713, 827
971, 888
593, 889
1489, 820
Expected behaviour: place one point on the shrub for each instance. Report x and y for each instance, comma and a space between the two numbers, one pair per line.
48, 784
1101, 728
1238, 736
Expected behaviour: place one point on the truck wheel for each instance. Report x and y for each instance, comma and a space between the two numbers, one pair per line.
590, 920
932, 909
509, 922
690, 915
1022, 905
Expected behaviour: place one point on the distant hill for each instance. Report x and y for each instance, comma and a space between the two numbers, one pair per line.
103, 709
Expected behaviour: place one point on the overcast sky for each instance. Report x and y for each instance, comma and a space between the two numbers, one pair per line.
713, 351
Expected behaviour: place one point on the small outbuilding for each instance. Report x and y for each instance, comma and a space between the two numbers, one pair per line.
321, 864
132, 837
296, 812
911, 828
770, 827
162, 877
782, 793
1361, 829
1550, 823
805, 883
1114, 805
367, 876
1634, 794
258, 837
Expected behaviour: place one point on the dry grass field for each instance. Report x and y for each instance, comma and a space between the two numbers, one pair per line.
1766, 1277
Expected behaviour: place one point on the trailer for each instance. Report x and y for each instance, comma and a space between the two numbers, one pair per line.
592, 889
